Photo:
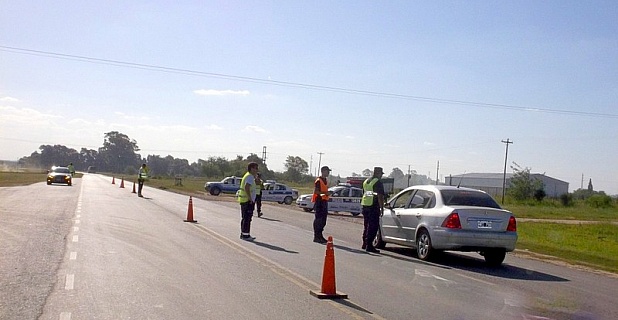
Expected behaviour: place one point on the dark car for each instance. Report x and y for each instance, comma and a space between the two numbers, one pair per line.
59, 175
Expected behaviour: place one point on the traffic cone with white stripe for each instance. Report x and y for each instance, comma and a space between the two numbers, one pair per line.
190, 211
329, 287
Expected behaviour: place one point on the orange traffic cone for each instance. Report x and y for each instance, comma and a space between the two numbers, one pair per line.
190, 211
122, 183
113, 181
133, 187
329, 288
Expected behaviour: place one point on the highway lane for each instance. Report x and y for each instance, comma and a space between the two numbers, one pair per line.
126, 257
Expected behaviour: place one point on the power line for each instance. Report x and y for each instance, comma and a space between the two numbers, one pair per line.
297, 84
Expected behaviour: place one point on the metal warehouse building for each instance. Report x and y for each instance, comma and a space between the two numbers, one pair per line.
492, 183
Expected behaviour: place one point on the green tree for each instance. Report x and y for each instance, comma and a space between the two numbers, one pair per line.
118, 152
523, 185
295, 167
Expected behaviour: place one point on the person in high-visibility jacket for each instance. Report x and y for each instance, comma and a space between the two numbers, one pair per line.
373, 208
320, 200
71, 169
246, 198
142, 176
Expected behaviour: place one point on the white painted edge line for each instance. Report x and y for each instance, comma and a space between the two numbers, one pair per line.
70, 281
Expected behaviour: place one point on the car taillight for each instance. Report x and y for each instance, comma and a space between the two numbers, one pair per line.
512, 224
452, 221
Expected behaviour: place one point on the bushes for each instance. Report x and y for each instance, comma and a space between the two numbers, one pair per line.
566, 199
599, 201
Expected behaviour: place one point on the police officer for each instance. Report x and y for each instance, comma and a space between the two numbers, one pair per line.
246, 198
320, 200
373, 208
71, 169
142, 175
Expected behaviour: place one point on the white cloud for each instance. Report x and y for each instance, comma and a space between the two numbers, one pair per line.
255, 129
211, 92
9, 99
214, 127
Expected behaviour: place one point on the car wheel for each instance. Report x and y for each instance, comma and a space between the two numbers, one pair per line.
378, 242
494, 257
424, 249
48, 183
215, 191
287, 200
355, 213
308, 209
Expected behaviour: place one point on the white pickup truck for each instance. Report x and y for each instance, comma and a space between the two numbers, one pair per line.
343, 198
278, 192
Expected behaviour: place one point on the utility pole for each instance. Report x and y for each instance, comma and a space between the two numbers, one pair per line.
264, 155
408, 175
506, 155
437, 170
319, 163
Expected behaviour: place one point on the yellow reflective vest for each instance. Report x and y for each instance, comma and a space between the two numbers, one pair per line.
368, 194
242, 194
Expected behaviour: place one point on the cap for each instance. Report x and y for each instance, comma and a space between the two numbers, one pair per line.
377, 170
325, 168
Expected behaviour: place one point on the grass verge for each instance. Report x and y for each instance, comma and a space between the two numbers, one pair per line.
591, 245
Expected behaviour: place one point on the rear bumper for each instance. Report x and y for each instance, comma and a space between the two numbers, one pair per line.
449, 239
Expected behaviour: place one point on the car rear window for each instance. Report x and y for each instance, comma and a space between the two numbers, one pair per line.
468, 198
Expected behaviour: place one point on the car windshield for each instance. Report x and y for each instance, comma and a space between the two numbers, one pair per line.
61, 170
468, 198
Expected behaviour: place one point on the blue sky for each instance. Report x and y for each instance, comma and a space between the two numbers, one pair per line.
366, 83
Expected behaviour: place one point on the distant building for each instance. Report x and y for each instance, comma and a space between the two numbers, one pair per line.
492, 183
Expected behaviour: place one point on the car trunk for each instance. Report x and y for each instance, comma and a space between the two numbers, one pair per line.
483, 219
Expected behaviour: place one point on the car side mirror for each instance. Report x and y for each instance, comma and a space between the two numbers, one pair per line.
388, 206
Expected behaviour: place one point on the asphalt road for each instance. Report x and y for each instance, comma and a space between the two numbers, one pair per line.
96, 251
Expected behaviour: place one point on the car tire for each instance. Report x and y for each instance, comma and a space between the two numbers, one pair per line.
424, 250
494, 257
355, 213
308, 209
288, 200
48, 183
378, 242
215, 191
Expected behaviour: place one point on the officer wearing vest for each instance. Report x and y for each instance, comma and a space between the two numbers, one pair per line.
320, 200
142, 176
373, 208
246, 198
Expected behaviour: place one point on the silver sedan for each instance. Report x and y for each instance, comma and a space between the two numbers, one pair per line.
432, 218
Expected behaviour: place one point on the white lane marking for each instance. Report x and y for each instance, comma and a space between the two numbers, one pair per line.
75, 238
65, 316
475, 279
70, 281
73, 256
75, 229
76, 221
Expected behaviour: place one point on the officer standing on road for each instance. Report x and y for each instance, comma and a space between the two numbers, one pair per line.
373, 208
320, 200
142, 175
258, 198
71, 169
246, 198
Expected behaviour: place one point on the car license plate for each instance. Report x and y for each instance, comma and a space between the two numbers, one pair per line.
484, 224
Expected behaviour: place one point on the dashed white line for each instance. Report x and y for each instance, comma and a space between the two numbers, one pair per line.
70, 281
75, 229
65, 316
73, 256
75, 238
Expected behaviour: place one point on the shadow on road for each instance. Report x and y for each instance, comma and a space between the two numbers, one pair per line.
450, 260
267, 219
271, 247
